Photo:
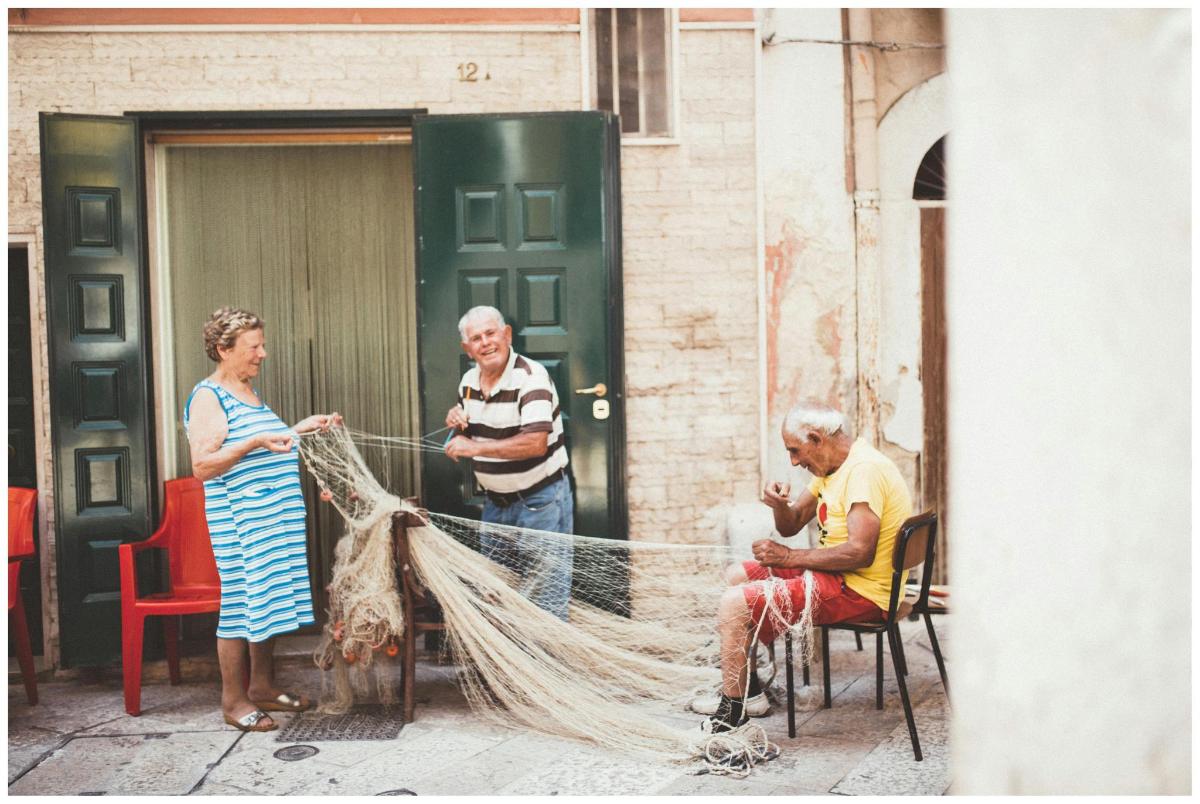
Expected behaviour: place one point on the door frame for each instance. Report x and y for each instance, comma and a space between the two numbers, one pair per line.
27, 239
269, 128
238, 125
612, 255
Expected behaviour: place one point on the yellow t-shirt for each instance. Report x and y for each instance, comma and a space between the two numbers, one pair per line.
868, 476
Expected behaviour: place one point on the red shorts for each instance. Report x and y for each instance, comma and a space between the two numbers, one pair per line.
835, 602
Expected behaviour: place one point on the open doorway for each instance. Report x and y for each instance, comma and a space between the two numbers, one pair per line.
316, 237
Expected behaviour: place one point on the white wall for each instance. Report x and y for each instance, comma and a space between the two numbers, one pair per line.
1068, 286
809, 223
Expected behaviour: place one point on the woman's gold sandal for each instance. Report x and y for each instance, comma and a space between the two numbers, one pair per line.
285, 702
253, 721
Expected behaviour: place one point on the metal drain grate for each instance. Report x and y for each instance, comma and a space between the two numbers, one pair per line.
295, 753
364, 722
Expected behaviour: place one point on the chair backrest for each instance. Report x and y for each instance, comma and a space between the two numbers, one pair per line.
914, 545
189, 545
22, 503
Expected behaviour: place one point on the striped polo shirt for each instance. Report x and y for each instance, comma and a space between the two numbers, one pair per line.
524, 400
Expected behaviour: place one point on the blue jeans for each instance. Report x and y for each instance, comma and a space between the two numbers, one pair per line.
540, 560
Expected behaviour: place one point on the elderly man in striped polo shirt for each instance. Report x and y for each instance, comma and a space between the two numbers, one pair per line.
511, 427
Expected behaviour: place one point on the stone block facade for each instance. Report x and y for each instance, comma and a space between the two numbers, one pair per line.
689, 207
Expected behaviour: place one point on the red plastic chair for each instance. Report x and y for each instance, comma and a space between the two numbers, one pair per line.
195, 585
22, 503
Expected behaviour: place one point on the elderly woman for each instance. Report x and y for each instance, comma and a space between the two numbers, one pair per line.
248, 460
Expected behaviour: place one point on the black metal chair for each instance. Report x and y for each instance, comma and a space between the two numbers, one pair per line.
914, 545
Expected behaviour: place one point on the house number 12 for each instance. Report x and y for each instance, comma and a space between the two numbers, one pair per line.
469, 71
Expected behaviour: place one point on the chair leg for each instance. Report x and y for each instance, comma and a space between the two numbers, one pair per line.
893, 642
937, 654
171, 637
20, 628
825, 666
900, 650
858, 640
132, 624
879, 670
409, 672
791, 690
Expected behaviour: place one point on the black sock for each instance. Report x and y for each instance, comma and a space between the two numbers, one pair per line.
731, 713
755, 686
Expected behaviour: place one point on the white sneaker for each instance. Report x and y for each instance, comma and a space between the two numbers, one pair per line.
754, 706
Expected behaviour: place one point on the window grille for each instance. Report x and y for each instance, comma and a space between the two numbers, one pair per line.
633, 50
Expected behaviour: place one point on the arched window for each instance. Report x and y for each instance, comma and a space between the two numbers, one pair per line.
930, 184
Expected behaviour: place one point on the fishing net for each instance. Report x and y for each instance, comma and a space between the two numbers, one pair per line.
638, 641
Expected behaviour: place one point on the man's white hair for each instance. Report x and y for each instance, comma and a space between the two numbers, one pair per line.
481, 313
815, 416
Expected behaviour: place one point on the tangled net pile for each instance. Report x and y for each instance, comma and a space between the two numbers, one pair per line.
640, 639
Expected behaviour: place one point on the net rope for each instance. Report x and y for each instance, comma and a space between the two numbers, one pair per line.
639, 640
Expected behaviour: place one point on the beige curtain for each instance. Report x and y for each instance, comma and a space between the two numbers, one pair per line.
318, 241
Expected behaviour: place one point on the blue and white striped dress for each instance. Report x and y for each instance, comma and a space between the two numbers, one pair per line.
256, 517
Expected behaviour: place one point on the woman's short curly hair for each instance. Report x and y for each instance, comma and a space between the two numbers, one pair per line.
223, 328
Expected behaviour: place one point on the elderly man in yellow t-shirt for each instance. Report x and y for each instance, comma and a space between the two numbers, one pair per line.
859, 500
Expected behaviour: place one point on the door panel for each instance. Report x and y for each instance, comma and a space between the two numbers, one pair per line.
520, 212
100, 419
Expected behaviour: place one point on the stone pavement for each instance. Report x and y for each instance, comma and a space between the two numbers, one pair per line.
79, 740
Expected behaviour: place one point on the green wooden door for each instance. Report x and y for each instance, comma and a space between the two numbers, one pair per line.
96, 321
522, 212
22, 455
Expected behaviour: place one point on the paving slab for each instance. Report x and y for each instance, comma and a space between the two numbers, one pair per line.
168, 765
252, 767
891, 769
812, 765
418, 754
709, 785
26, 746
589, 771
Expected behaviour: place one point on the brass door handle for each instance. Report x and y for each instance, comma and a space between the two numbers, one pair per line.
599, 389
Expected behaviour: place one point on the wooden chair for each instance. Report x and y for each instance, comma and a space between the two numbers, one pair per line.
195, 587
914, 545
419, 614
22, 504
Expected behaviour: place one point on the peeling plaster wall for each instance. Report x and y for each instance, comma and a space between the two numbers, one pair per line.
810, 277
1069, 369
902, 70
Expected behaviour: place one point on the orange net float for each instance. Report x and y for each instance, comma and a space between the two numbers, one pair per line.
326, 495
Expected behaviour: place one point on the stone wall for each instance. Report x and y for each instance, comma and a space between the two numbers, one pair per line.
689, 207
691, 290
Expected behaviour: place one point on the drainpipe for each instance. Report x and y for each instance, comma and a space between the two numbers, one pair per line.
866, 220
